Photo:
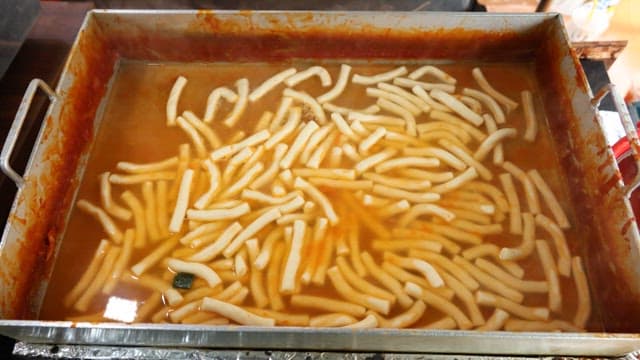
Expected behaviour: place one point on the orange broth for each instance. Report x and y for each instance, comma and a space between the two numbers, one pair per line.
133, 128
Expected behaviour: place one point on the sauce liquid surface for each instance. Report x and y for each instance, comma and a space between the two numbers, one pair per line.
133, 128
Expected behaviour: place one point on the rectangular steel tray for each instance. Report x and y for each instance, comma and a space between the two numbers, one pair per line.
46, 190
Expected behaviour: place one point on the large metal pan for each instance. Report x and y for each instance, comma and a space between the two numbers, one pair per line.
611, 243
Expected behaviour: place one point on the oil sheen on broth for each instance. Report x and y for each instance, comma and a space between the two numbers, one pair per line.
133, 129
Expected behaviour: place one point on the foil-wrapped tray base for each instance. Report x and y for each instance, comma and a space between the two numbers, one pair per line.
47, 351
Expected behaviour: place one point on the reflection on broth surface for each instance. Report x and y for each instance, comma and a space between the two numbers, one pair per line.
369, 195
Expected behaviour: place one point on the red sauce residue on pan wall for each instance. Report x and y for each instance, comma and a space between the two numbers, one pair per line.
581, 77
601, 167
609, 184
76, 120
605, 257
209, 39
627, 224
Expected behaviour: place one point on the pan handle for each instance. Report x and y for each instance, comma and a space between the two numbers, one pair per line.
18, 121
629, 129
